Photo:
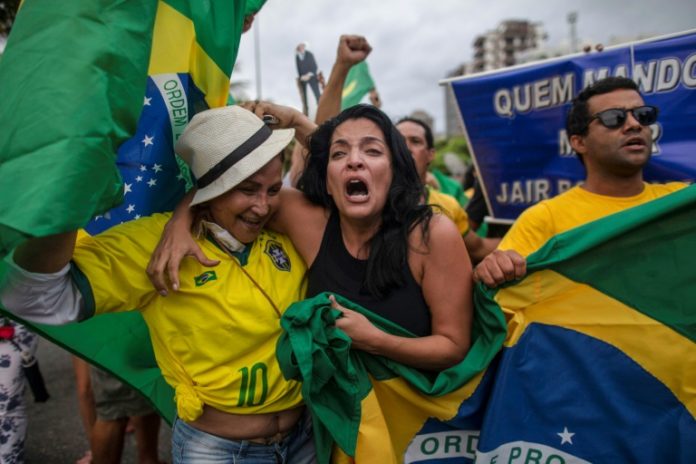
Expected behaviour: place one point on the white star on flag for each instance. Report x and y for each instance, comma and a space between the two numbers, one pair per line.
126, 188
148, 140
139, 179
146, 101
130, 208
152, 182
157, 167
137, 216
143, 168
566, 436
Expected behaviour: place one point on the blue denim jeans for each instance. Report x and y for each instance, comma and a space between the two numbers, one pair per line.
190, 445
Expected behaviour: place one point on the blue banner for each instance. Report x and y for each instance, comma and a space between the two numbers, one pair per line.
515, 118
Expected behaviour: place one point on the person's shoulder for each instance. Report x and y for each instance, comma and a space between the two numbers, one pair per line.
268, 234
145, 230
440, 238
436, 197
154, 222
659, 190
440, 229
447, 203
557, 204
281, 250
535, 225
297, 208
544, 207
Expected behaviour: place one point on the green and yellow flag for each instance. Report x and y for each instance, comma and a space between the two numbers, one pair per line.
600, 360
95, 94
598, 363
375, 409
75, 79
358, 83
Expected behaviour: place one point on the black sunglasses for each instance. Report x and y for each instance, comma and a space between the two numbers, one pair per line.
614, 118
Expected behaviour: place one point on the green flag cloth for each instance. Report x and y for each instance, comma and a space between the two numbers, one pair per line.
72, 82
89, 86
117, 343
72, 89
450, 186
358, 83
339, 383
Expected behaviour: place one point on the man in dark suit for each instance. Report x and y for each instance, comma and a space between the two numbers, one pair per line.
307, 73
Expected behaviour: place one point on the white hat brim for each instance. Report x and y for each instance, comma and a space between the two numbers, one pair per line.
245, 167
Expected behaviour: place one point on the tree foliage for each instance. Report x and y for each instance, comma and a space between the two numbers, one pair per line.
456, 145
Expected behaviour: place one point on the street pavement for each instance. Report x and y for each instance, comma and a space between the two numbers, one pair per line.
55, 434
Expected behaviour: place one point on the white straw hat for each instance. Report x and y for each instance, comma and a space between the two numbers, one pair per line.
224, 146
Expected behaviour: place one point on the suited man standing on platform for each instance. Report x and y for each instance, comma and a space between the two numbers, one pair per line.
307, 74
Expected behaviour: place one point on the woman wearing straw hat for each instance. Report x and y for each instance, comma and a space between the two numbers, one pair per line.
214, 339
359, 222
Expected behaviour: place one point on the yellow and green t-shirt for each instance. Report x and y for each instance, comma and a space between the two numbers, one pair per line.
451, 208
215, 338
571, 209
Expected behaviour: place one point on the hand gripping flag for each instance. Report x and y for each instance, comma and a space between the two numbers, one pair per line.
600, 360
373, 408
94, 96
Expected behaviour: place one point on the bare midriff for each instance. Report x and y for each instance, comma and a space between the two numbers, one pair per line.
251, 427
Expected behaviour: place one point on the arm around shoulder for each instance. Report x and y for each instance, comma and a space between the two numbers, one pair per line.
302, 221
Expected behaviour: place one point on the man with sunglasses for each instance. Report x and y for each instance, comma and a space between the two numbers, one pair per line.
609, 129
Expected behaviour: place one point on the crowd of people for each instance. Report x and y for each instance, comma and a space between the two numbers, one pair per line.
213, 278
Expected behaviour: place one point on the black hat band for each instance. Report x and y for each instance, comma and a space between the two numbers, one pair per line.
249, 145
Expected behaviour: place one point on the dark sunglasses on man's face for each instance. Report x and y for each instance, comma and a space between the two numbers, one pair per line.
614, 118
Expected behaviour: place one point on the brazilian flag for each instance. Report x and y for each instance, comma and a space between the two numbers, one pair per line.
598, 361
95, 93
358, 83
599, 364
375, 409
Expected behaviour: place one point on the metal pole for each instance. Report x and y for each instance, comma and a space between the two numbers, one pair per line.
572, 20
257, 58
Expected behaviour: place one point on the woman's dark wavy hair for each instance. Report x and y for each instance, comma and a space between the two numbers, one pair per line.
403, 211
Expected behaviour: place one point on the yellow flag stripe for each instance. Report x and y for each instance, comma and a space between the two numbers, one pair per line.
347, 90
550, 298
393, 413
175, 50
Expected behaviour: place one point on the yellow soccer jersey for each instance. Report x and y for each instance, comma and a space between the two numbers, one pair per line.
571, 209
215, 338
452, 209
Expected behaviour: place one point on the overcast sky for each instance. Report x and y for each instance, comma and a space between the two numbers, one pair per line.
417, 42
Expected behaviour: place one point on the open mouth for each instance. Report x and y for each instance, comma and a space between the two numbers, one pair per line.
356, 190
635, 142
252, 222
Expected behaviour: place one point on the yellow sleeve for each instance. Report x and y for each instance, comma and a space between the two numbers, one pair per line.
109, 268
530, 231
461, 219
452, 209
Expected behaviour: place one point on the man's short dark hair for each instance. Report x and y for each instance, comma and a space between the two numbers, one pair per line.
428, 132
579, 116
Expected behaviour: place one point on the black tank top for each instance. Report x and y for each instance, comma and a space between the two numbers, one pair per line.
335, 270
